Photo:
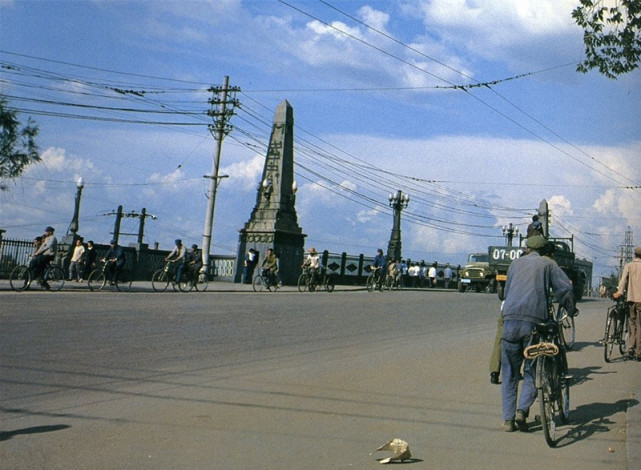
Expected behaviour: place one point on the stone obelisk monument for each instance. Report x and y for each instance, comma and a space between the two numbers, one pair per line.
273, 222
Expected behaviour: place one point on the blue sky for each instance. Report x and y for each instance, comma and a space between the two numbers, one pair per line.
387, 95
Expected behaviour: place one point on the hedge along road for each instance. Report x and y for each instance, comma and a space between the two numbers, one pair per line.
239, 380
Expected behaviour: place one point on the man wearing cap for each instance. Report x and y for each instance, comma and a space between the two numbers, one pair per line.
177, 256
630, 284
116, 255
45, 253
527, 289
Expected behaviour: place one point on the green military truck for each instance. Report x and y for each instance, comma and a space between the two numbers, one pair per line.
562, 251
476, 274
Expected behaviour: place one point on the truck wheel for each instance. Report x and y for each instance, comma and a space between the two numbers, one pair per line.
461, 287
500, 290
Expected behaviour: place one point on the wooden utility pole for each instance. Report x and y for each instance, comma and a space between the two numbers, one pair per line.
222, 104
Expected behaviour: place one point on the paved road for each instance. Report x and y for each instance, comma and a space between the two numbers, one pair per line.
235, 380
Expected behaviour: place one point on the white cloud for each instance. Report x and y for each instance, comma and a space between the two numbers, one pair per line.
246, 173
509, 30
54, 158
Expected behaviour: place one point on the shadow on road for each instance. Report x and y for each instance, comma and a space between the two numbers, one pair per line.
585, 374
591, 419
6, 435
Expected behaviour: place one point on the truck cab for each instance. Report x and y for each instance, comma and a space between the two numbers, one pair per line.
476, 274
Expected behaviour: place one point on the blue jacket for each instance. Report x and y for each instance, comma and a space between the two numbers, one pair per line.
379, 261
529, 280
118, 254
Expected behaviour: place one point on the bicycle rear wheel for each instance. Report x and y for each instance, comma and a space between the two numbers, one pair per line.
124, 281
608, 339
186, 284
97, 280
160, 281
20, 278
203, 282
547, 400
55, 277
330, 283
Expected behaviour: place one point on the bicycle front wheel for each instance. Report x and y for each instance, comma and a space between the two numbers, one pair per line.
371, 283
302, 282
55, 277
97, 280
547, 401
160, 281
568, 330
259, 283
610, 328
20, 278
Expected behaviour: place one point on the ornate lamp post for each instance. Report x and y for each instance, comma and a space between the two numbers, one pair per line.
73, 226
398, 202
509, 232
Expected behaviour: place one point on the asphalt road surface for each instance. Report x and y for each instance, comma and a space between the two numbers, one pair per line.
238, 380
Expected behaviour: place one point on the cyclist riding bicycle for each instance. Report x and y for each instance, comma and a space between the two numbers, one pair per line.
116, 257
312, 262
270, 267
177, 257
44, 255
380, 265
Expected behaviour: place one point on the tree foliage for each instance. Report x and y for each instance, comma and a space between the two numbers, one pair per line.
18, 147
611, 35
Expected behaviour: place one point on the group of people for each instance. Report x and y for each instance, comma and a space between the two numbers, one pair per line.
530, 280
183, 259
414, 275
82, 262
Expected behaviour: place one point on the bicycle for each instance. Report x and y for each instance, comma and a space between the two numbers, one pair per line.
162, 277
322, 279
193, 280
374, 280
21, 277
308, 280
265, 280
617, 329
98, 278
551, 380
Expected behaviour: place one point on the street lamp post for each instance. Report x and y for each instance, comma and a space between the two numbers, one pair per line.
73, 226
398, 202
509, 232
